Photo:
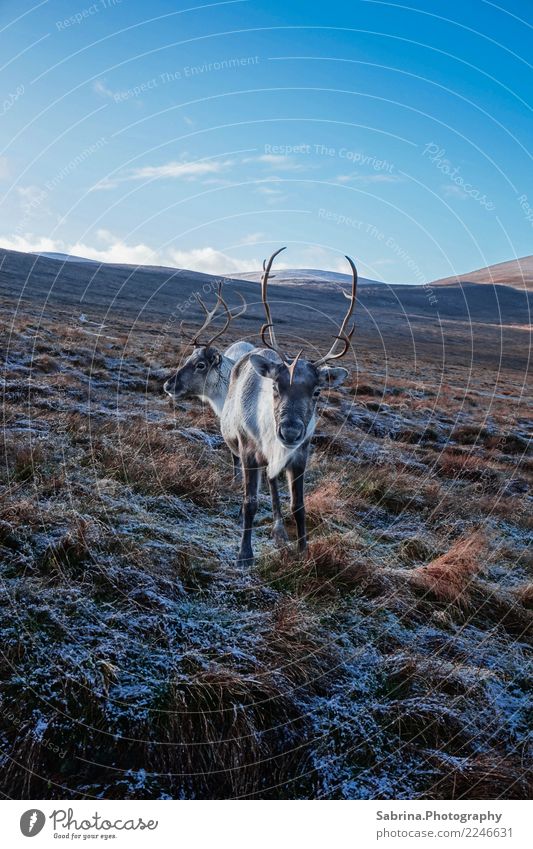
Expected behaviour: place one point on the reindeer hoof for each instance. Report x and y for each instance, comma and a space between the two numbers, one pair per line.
245, 561
280, 536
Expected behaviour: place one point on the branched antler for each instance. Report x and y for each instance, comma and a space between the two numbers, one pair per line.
211, 314
343, 335
269, 324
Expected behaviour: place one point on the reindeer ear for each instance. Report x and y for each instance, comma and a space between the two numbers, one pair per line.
264, 367
332, 376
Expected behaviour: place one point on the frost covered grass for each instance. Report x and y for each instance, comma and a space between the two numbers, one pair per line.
138, 662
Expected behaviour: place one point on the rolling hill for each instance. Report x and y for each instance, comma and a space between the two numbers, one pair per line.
442, 322
517, 273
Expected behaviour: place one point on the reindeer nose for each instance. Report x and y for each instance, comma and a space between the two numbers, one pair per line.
290, 432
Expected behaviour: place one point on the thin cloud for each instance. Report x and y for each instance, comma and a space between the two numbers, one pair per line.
252, 238
282, 162
271, 195
450, 190
369, 178
99, 87
187, 171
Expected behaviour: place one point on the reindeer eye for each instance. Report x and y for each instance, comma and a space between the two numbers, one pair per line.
200, 366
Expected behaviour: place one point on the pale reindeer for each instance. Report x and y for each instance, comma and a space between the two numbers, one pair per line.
206, 372
269, 417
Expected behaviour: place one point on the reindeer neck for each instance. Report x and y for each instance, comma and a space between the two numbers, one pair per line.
217, 394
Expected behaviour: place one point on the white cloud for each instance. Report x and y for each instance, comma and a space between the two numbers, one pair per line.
118, 251
110, 248
369, 178
29, 243
450, 190
31, 195
99, 87
178, 170
211, 261
252, 238
107, 247
272, 196
170, 170
217, 181
282, 162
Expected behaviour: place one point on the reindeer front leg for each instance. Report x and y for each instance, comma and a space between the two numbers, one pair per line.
279, 533
250, 471
296, 473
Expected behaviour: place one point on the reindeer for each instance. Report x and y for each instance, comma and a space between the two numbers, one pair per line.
206, 372
270, 416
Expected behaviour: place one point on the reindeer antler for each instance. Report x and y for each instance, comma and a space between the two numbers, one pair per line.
290, 362
269, 325
343, 335
211, 315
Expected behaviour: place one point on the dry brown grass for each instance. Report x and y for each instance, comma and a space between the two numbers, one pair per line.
455, 462
160, 461
45, 363
483, 776
21, 460
389, 488
214, 714
214, 683
326, 501
524, 593
329, 567
449, 576
65, 556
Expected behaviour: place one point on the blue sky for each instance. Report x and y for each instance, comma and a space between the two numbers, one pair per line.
205, 137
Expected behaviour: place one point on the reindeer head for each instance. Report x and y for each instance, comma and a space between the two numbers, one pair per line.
201, 373
296, 382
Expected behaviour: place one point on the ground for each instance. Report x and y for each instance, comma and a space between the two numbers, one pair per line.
139, 662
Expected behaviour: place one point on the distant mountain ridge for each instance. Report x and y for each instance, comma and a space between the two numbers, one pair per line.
62, 257
517, 273
306, 277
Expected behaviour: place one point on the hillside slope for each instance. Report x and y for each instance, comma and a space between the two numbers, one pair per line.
445, 323
516, 273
